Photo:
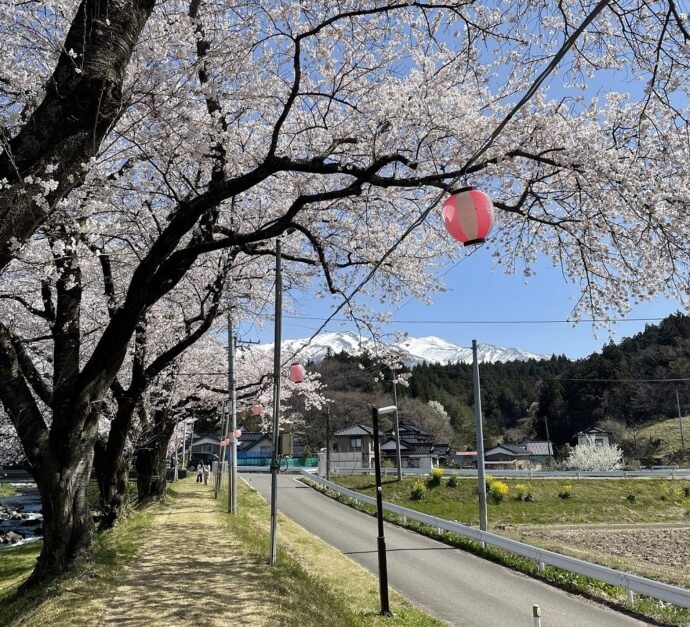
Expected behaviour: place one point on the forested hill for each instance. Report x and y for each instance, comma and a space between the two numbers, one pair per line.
631, 382
627, 383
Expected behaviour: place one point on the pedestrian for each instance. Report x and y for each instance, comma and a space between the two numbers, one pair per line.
206, 469
199, 472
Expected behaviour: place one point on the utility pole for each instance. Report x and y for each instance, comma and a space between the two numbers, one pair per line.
483, 518
398, 456
680, 420
328, 442
232, 392
276, 406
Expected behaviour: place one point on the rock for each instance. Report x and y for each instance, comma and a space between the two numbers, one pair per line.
11, 538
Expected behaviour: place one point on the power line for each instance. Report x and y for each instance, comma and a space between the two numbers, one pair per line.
554, 321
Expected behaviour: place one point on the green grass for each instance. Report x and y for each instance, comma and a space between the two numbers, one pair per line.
320, 585
591, 500
7, 490
54, 603
668, 431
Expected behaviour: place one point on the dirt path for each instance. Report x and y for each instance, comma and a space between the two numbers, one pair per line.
190, 571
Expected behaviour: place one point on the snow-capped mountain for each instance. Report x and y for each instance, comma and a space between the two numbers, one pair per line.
411, 351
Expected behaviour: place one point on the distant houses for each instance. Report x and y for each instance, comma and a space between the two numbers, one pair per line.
352, 448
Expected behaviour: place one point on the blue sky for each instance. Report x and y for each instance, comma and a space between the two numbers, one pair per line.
478, 292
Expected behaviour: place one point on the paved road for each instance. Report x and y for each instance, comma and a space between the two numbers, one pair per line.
455, 586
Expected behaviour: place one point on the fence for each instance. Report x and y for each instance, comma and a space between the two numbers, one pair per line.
631, 583
292, 462
667, 473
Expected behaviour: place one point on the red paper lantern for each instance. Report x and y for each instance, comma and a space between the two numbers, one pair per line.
257, 410
297, 373
468, 216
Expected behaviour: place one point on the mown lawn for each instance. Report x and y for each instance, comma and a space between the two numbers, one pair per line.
590, 500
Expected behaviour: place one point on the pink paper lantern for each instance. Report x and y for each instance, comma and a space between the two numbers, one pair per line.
468, 216
297, 373
237, 433
257, 410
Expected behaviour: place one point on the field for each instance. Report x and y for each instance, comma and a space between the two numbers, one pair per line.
589, 501
639, 525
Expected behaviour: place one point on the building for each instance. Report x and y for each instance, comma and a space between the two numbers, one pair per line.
417, 447
593, 437
465, 459
205, 443
508, 457
352, 448
540, 451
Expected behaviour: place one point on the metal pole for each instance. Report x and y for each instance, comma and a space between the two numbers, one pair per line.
680, 420
184, 442
276, 408
381, 539
483, 518
398, 456
328, 442
232, 381
219, 469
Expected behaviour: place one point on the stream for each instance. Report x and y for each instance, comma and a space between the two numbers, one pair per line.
20, 516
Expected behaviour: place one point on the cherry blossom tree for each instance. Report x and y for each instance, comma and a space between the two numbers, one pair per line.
337, 126
595, 458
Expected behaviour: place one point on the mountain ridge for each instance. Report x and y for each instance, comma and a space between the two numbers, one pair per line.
411, 351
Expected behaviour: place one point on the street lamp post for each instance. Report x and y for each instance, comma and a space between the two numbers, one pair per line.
398, 455
381, 539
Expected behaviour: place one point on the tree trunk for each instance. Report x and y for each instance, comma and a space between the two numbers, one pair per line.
67, 524
152, 460
112, 474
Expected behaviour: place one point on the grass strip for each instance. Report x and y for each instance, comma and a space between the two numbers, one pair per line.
318, 584
659, 612
7, 489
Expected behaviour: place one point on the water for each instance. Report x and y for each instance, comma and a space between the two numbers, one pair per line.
26, 504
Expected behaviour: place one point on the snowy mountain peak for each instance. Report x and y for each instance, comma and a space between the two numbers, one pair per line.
411, 351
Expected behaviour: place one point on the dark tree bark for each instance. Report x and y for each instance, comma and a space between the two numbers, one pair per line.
112, 474
67, 524
77, 111
152, 459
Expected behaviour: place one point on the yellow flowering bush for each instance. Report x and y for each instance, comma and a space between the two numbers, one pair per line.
499, 491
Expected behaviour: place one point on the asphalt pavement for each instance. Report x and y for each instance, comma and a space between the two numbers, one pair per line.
455, 586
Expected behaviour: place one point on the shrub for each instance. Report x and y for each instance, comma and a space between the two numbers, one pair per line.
631, 498
529, 498
418, 490
452, 480
521, 491
488, 480
686, 491
499, 491
565, 492
435, 477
